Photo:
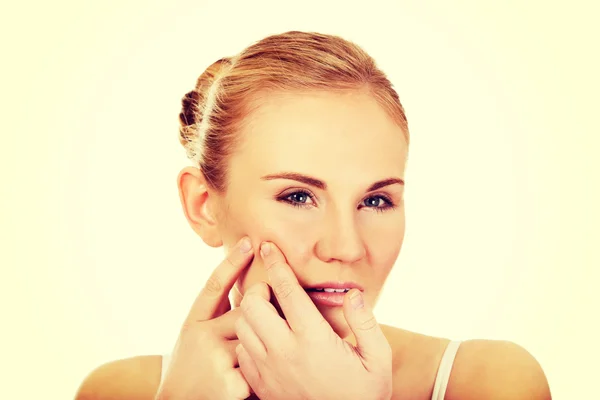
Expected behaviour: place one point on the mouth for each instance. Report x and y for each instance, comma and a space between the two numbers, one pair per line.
330, 294
328, 290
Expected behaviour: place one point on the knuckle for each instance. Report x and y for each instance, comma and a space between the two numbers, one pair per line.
213, 285
368, 324
283, 289
273, 264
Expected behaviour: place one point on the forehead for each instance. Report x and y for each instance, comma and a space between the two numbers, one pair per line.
331, 136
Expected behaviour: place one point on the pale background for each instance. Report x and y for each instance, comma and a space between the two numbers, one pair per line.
98, 262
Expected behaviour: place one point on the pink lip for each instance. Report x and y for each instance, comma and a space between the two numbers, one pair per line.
331, 299
335, 285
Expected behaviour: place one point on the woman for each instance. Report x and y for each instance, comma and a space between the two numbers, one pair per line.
300, 144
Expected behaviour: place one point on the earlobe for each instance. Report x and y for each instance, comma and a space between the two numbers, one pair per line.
196, 201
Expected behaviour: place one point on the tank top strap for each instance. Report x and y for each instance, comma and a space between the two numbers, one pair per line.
166, 359
444, 370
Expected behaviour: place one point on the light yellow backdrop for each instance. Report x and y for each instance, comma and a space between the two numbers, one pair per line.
502, 187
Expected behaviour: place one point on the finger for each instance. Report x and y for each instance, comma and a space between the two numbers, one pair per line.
249, 339
237, 385
230, 346
224, 325
300, 312
223, 307
249, 369
372, 345
216, 290
262, 290
264, 321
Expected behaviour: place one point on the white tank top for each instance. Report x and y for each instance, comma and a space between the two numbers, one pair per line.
441, 379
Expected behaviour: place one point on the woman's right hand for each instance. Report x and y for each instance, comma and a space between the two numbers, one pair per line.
204, 363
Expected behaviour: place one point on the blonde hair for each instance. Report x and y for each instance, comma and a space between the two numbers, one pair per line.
228, 91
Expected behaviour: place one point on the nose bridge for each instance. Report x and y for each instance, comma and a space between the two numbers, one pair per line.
341, 239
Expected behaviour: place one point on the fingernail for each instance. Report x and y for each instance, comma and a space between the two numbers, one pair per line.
265, 249
356, 301
245, 246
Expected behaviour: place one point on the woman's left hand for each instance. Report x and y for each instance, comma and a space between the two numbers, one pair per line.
301, 357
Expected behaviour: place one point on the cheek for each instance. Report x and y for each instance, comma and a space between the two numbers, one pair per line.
292, 236
385, 246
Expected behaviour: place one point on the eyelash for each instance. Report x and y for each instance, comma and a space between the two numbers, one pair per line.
389, 203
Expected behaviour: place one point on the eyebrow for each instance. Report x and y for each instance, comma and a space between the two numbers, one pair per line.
309, 180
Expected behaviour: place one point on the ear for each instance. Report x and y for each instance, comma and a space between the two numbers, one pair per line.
198, 204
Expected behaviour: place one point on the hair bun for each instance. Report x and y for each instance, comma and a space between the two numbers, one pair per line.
193, 102
189, 108
193, 106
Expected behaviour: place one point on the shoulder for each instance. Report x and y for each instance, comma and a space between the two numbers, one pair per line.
482, 369
415, 361
493, 369
130, 378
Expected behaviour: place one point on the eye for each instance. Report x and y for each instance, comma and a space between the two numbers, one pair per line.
298, 199
380, 203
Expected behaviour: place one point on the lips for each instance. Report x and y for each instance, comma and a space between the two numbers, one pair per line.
333, 285
328, 290
330, 294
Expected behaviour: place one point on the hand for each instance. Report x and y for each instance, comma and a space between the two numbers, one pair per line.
204, 363
301, 357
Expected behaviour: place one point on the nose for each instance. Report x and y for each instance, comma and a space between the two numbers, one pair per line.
340, 239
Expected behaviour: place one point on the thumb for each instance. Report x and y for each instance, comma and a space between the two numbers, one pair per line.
372, 345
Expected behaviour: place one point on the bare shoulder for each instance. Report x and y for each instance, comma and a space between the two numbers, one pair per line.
493, 369
482, 369
416, 358
135, 378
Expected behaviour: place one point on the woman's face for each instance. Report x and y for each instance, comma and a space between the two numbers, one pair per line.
324, 215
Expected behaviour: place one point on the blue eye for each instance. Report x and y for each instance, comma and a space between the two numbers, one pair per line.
298, 199
380, 203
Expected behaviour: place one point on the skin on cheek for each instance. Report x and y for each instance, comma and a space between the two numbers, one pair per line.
263, 221
294, 255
